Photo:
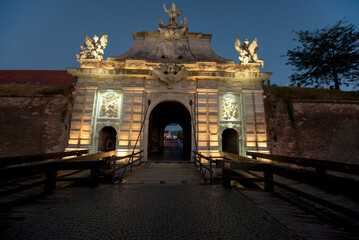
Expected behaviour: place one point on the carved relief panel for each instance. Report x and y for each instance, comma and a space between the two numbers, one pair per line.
109, 104
229, 107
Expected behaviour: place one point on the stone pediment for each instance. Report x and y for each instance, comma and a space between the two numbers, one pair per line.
172, 43
157, 47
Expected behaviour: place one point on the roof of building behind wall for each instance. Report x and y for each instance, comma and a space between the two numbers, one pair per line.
36, 77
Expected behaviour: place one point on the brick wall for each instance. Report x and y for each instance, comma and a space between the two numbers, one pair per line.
313, 126
34, 120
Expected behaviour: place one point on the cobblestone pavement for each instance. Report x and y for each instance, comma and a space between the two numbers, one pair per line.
147, 211
165, 173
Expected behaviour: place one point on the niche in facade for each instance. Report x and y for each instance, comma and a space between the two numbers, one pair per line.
107, 139
230, 142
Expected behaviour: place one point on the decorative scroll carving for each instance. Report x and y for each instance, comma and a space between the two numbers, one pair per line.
92, 49
109, 65
110, 105
89, 64
170, 73
248, 53
229, 109
172, 30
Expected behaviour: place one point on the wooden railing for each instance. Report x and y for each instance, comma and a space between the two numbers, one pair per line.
38, 157
45, 168
117, 167
320, 166
318, 176
235, 162
202, 167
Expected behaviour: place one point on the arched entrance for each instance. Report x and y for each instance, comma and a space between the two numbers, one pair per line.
163, 114
230, 142
107, 139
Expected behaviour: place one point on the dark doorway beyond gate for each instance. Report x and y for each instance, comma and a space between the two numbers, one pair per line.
160, 149
230, 141
107, 139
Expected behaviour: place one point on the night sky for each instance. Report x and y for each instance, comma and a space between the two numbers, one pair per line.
46, 34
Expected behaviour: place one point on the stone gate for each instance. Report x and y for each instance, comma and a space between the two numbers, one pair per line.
218, 103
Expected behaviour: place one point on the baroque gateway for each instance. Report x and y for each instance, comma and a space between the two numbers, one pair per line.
168, 76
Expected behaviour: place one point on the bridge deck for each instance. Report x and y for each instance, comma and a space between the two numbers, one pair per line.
165, 173
153, 211
162, 200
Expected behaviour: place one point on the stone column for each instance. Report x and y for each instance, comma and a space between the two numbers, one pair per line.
207, 121
82, 117
133, 110
255, 128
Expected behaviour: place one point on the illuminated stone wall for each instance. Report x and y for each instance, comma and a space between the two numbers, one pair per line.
255, 125
184, 69
81, 134
118, 98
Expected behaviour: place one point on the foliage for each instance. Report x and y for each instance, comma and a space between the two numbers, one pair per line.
180, 135
326, 56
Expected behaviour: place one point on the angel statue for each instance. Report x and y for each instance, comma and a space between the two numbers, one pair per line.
248, 53
173, 14
93, 49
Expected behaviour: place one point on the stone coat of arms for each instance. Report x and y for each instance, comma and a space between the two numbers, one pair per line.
229, 109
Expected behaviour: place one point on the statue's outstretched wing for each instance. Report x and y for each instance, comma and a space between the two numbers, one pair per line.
89, 43
103, 40
238, 45
253, 47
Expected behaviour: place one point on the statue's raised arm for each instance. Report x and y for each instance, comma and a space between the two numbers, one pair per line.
173, 14
164, 6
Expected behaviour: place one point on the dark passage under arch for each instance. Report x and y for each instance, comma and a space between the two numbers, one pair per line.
107, 139
163, 114
230, 142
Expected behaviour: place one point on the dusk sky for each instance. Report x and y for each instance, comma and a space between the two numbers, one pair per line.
46, 34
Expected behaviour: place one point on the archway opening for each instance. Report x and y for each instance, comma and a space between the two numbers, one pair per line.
107, 139
165, 116
230, 141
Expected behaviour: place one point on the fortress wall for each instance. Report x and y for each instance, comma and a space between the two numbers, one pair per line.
300, 122
314, 125
34, 119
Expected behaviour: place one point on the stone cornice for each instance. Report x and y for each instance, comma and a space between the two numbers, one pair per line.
192, 75
185, 35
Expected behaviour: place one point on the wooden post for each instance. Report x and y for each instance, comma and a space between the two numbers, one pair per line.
200, 163
320, 170
226, 171
94, 179
50, 181
113, 173
268, 180
211, 171
131, 161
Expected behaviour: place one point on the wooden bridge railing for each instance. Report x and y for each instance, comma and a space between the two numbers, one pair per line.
319, 177
130, 162
38, 157
235, 162
46, 166
320, 166
202, 167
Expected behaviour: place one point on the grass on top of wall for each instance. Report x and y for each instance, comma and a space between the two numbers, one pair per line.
308, 93
35, 90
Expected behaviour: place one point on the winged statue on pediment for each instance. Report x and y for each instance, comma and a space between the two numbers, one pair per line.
92, 49
248, 52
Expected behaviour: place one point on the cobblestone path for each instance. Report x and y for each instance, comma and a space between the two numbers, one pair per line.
145, 211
